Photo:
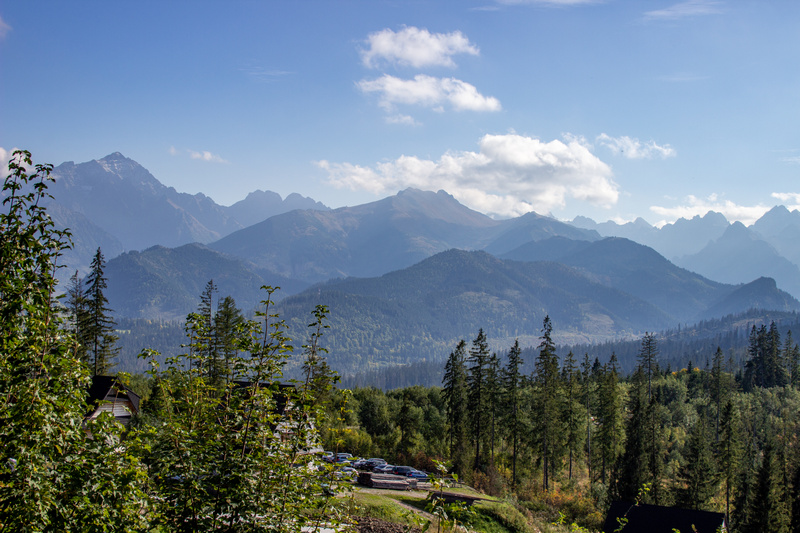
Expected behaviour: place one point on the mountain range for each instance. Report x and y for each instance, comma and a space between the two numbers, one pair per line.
116, 204
418, 259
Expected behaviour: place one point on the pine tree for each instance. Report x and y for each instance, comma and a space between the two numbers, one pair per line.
206, 341
493, 392
720, 388
454, 391
698, 472
634, 464
512, 403
573, 410
769, 509
76, 312
477, 397
791, 358
648, 360
546, 406
610, 432
729, 449
97, 331
226, 322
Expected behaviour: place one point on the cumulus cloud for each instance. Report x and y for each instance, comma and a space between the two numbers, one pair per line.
508, 176
635, 149
692, 8
206, 156
5, 157
790, 200
693, 206
415, 47
428, 91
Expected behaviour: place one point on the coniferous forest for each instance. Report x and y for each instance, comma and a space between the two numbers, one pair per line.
222, 439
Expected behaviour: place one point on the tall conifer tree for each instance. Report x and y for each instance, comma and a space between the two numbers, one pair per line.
546, 408
512, 402
477, 398
454, 390
97, 329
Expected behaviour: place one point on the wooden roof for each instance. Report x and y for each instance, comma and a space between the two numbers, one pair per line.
109, 389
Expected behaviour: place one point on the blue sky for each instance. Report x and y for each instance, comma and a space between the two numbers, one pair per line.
612, 110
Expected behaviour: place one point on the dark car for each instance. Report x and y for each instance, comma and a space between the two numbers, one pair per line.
417, 474
369, 464
402, 470
383, 469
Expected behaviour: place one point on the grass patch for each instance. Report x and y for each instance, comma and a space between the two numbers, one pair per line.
380, 506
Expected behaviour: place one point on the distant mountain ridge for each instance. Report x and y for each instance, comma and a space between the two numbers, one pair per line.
719, 250
377, 237
421, 312
116, 204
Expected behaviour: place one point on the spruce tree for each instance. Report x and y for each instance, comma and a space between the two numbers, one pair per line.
698, 472
477, 397
791, 358
226, 321
546, 403
97, 330
729, 448
454, 391
512, 403
610, 431
634, 463
76, 311
573, 410
769, 507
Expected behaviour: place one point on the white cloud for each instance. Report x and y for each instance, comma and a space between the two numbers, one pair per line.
206, 156
201, 156
691, 8
402, 119
793, 159
791, 200
4, 28
428, 91
510, 175
693, 206
5, 157
632, 148
415, 47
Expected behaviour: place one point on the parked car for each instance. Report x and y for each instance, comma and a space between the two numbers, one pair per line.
344, 457
383, 469
402, 470
417, 474
369, 464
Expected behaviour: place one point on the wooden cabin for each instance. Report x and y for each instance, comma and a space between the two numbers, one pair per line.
107, 394
645, 518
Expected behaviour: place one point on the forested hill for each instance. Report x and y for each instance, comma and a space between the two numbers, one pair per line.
679, 347
418, 313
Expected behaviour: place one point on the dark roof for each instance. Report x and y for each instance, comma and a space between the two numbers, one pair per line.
101, 387
645, 518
